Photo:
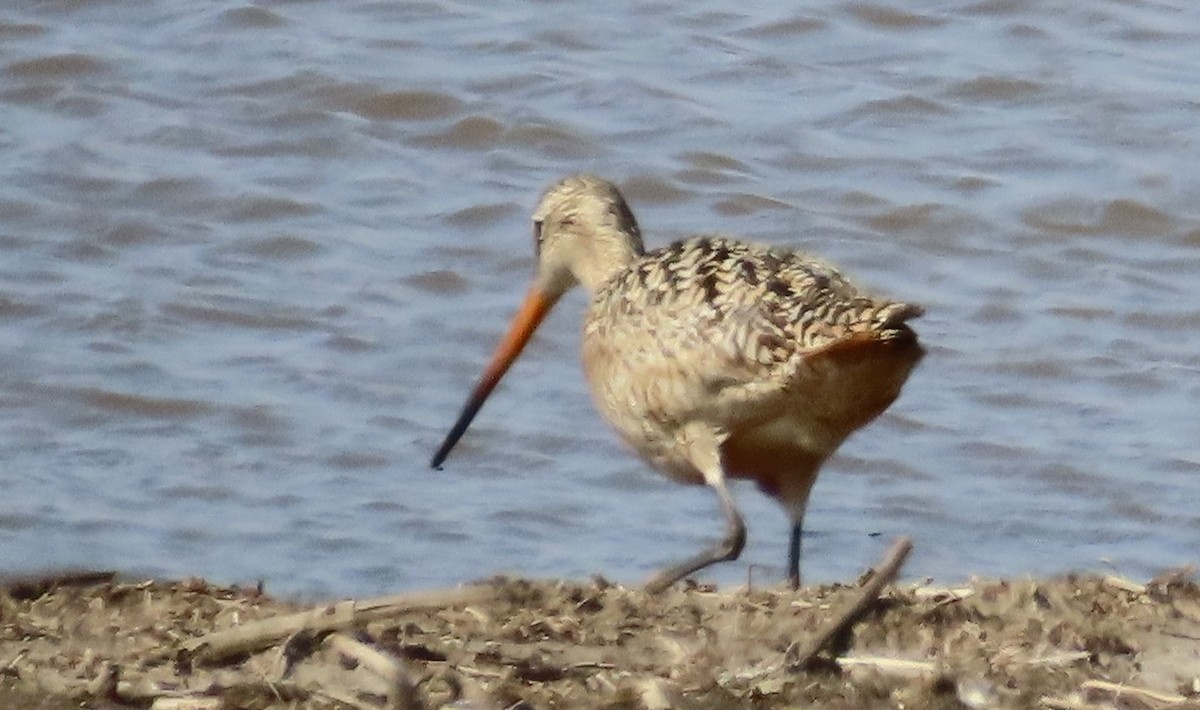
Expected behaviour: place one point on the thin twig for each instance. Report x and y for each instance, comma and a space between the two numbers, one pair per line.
185, 702
344, 698
1061, 702
885, 572
885, 664
1059, 659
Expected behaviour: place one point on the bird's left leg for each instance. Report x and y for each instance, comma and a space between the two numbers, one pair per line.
705, 453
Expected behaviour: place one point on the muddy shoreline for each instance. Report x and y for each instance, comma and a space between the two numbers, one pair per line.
1072, 642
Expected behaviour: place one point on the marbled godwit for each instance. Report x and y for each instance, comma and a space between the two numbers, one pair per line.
712, 358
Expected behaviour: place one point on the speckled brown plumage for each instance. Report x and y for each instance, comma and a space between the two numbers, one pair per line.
712, 357
792, 302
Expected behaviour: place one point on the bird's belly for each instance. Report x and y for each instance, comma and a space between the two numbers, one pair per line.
782, 456
646, 430
791, 445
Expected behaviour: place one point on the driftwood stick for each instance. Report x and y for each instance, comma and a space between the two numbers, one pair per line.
884, 573
257, 635
1125, 585
35, 585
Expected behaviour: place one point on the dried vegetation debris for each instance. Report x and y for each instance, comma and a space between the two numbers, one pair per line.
1072, 643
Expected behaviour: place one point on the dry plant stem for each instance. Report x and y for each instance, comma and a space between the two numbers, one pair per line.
257, 635
1064, 703
1060, 659
897, 666
104, 685
885, 572
185, 703
1151, 698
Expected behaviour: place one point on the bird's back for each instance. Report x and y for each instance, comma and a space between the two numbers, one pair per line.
743, 337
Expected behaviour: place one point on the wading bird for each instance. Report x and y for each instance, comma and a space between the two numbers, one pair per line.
712, 358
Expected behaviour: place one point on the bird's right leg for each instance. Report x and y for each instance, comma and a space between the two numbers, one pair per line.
794, 553
705, 454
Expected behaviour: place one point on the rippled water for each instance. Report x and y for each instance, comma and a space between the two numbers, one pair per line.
252, 257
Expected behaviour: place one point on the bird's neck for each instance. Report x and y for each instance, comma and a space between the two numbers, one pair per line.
607, 259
